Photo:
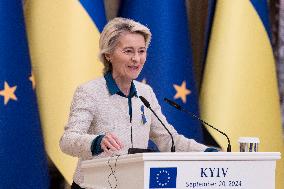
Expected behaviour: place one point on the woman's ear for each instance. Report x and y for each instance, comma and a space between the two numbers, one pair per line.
108, 57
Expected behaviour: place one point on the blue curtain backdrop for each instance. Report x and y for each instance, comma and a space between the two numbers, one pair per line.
169, 63
22, 157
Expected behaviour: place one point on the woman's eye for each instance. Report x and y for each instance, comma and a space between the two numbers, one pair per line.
127, 51
141, 51
131, 51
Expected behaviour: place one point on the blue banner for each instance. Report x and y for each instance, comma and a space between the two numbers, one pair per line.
22, 157
169, 63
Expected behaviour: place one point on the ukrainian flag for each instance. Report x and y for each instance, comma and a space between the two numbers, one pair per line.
22, 157
239, 92
64, 44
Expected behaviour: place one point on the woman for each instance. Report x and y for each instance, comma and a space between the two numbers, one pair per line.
105, 111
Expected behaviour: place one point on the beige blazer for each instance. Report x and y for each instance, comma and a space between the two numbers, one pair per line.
94, 112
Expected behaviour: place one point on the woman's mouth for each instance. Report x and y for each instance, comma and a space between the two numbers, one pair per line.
133, 67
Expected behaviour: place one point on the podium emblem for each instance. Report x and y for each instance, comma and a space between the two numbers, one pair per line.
163, 177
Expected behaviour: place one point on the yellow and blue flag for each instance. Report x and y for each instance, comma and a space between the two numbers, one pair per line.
280, 61
64, 45
169, 67
96, 11
22, 156
239, 92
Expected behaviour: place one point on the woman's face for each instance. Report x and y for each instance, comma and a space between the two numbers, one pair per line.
129, 56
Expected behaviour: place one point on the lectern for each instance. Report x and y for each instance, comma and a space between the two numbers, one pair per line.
190, 170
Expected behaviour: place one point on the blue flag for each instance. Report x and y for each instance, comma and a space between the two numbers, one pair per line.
163, 177
22, 157
169, 63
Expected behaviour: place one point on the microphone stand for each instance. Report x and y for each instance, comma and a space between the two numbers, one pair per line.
173, 145
147, 104
177, 106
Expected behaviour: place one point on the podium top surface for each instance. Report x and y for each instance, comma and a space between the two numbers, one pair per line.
188, 156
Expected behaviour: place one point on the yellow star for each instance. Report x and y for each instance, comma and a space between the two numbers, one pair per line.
32, 79
8, 93
182, 91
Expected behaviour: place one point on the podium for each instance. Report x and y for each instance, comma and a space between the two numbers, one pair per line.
183, 170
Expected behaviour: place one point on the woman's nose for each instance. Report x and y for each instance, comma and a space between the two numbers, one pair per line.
135, 57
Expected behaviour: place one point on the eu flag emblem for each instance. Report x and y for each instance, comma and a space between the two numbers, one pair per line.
163, 177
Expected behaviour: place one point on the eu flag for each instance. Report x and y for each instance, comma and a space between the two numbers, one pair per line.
163, 177
22, 158
169, 63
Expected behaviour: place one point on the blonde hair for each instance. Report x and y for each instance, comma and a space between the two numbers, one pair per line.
112, 31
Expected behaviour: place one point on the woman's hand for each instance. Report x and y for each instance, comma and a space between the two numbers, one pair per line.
110, 143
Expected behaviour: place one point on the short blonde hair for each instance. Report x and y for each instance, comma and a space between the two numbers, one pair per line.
113, 30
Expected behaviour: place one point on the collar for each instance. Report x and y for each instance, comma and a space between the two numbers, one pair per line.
113, 88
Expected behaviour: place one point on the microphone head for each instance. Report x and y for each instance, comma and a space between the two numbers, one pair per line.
172, 103
145, 102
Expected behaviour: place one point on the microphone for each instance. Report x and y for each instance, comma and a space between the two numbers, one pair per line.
147, 104
179, 107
